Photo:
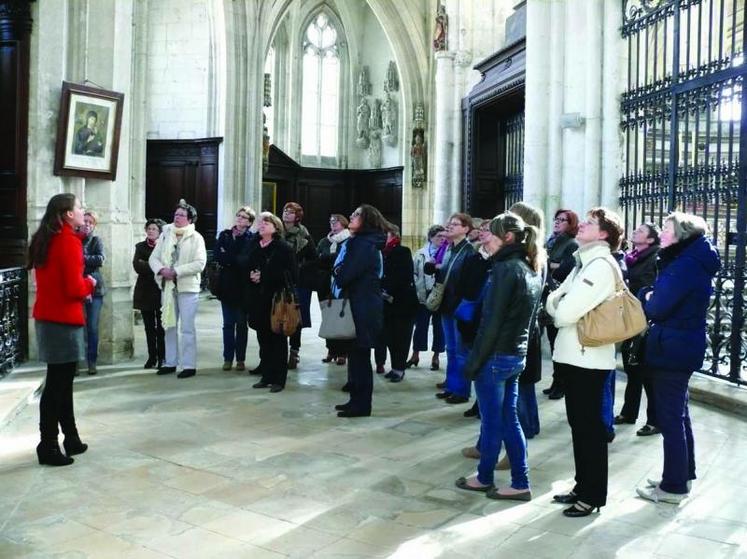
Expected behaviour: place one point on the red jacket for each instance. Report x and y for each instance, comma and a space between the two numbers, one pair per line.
60, 285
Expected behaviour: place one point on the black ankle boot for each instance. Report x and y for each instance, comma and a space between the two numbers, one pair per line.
150, 363
73, 445
48, 452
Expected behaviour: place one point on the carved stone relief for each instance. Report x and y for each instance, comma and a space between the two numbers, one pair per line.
389, 119
364, 85
391, 83
418, 148
374, 150
363, 115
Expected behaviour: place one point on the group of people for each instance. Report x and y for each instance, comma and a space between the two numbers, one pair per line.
487, 289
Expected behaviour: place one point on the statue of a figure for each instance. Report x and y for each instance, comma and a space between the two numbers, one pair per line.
441, 34
265, 144
364, 86
389, 121
364, 112
417, 154
374, 151
374, 122
391, 83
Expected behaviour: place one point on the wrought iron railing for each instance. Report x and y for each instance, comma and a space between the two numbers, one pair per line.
513, 190
684, 118
11, 312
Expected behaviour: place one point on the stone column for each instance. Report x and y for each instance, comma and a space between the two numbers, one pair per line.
442, 142
462, 61
593, 112
615, 58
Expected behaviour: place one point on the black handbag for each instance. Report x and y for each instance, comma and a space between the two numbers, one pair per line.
214, 280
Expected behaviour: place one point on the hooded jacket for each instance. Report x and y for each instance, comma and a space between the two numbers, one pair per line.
359, 276
677, 308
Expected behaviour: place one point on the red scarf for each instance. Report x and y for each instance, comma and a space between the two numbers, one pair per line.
390, 244
151, 244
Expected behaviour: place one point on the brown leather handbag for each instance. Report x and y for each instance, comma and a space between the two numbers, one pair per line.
617, 319
285, 317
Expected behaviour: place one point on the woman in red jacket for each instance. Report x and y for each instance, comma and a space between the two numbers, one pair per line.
56, 255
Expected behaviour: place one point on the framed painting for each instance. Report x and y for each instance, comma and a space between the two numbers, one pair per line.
269, 197
88, 128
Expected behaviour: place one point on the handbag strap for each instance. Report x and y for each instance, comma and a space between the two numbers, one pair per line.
451, 263
616, 271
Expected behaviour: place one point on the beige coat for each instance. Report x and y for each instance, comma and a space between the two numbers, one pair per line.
190, 262
583, 289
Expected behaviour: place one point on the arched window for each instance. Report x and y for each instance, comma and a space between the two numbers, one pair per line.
321, 89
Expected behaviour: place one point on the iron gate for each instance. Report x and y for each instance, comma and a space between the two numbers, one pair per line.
513, 188
685, 125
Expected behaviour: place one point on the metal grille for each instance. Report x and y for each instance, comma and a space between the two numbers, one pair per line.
513, 190
684, 121
11, 291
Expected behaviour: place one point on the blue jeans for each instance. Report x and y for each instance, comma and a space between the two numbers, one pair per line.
456, 354
235, 332
420, 338
673, 418
608, 403
526, 407
93, 313
497, 390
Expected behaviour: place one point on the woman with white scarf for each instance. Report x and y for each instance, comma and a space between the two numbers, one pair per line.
327, 251
178, 261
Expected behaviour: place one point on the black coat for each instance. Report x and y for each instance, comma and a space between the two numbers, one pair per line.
305, 260
458, 254
474, 275
324, 264
399, 283
642, 273
277, 264
508, 309
93, 255
560, 251
358, 276
147, 295
233, 277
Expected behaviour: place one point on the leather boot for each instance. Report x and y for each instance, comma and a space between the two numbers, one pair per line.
48, 452
73, 445
293, 359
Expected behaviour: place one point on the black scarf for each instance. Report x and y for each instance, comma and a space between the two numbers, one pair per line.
669, 254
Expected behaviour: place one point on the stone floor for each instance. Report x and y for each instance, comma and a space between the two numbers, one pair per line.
209, 467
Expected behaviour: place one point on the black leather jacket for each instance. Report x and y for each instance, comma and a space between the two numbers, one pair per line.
508, 310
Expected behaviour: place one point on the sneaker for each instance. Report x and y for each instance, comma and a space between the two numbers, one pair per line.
656, 495
227, 365
647, 431
656, 482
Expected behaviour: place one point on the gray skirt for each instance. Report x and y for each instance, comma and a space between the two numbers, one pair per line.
60, 343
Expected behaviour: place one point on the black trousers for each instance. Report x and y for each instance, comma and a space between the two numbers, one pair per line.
395, 336
639, 379
56, 403
273, 355
154, 334
584, 389
360, 379
557, 375
295, 339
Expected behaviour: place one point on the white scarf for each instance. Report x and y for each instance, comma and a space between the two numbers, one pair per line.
337, 238
171, 239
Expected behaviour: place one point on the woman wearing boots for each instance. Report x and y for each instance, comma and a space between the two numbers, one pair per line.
299, 238
229, 247
327, 251
271, 266
147, 295
56, 256
400, 306
93, 255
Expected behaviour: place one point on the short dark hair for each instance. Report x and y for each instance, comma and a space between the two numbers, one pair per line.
572, 220
90, 114
372, 219
297, 209
434, 230
157, 222
464, 219
653, 232
610, 223
191, 211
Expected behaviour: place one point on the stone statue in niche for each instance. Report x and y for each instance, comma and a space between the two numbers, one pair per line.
364, 113
441, 33
389, 121
374, 150
374, 122
419, 120
391, 83
418, 158
364, 85
265, 143
267, 102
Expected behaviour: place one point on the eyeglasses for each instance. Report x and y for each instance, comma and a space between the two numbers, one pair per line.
242, 216
180, 214
591, 221
355, 214
561, 220
289, 211
454, 224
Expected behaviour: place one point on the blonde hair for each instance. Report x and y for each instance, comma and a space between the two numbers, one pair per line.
92, 214
248, 211
270, 217
528, 235
530, 215
687, 225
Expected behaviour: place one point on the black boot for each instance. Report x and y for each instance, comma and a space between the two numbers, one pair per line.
150, 363
49, 453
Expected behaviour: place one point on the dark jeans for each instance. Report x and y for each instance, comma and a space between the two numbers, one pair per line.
56, 403
360, 379
420, 338
526, 407
395, 336
639, 379
456, 354
273, 356
673, 416
93, 313
608, 402
584, 391
235, 332
304, 304
497, 392
154, 335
